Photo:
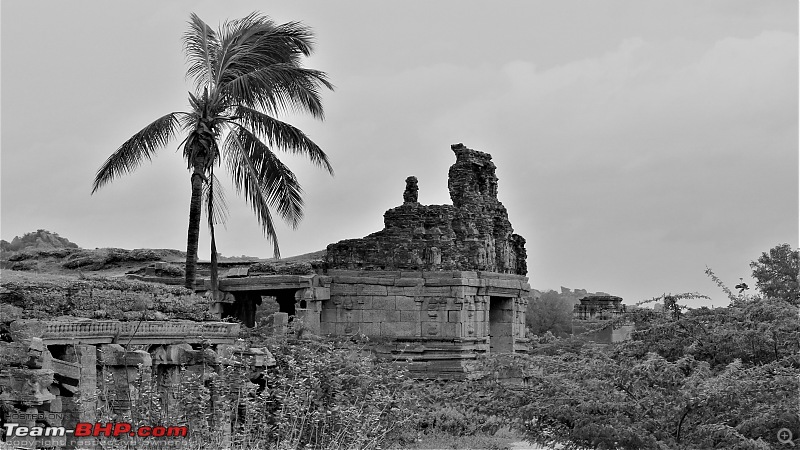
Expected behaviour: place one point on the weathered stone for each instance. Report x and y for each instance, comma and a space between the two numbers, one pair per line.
406, 303
371, 289
28, 386
384, 303
391, 329
472, 234
411, 193
409, 316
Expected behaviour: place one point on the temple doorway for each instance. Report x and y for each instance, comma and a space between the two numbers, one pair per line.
501, 321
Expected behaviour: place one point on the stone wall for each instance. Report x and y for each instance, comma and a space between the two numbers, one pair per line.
44, 296
434, 321
472, 234
52, 371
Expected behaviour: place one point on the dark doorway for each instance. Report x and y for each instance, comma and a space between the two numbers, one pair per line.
501, 321
247, 303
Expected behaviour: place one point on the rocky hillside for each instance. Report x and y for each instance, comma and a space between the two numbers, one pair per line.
25, 295
37, 240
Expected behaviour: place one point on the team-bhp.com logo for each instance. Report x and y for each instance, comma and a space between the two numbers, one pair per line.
87, 429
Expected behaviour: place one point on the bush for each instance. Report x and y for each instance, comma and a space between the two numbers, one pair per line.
318, 396
265, 268
24, 265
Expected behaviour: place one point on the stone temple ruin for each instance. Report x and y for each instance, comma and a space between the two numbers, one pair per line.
437, 286
58, 370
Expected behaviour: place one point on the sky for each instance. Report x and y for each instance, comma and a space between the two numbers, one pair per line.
637, 142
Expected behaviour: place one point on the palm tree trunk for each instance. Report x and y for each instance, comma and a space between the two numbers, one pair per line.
195, 210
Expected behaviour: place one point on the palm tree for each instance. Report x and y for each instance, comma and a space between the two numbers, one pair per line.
244, 74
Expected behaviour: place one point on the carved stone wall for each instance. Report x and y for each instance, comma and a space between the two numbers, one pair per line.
472, 234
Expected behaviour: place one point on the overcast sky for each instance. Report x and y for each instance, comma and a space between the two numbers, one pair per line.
636, 142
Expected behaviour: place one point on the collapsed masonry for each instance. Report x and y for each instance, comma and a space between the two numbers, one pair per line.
120, 336
438, 285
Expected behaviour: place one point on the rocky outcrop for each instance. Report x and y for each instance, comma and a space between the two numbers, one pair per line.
42, 296
473, 233
37, 240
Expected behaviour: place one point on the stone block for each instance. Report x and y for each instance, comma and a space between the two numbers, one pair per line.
116, 355
444, 281
371, 329
327, 328
437, 274
371, 289
411, 274
435, 291
451, 329
410, 316
465, 274
409, 282
380, 315
342, 289
385, 303
399, 329
431, 328
463, 291
352, 316
353, 279
321, 293
396, 290
455, 316
329, 315
364, 302
412, 291
28, 386
404, 303
13, 354
345, 329
343, 273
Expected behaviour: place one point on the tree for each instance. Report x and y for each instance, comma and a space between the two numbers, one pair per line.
721, 378
550, 312
244, 74
777, 272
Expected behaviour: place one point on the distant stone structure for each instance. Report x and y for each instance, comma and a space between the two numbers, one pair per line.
438, 285
596, 310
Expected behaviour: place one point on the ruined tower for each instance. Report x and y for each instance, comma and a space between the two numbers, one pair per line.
473, 233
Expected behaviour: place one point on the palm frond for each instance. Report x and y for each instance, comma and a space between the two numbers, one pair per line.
276, 180
140, 146
214, 201
255, 41
277, 88
202, 47
283, 135
246, 180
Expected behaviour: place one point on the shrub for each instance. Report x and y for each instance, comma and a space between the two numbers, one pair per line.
318, 396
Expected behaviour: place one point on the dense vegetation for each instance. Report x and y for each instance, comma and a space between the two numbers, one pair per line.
724, 378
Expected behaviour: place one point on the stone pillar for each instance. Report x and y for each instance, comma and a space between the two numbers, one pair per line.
278, 323
124, 368
82, 405
309, 309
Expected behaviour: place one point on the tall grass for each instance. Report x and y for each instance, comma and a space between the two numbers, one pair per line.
317, 396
